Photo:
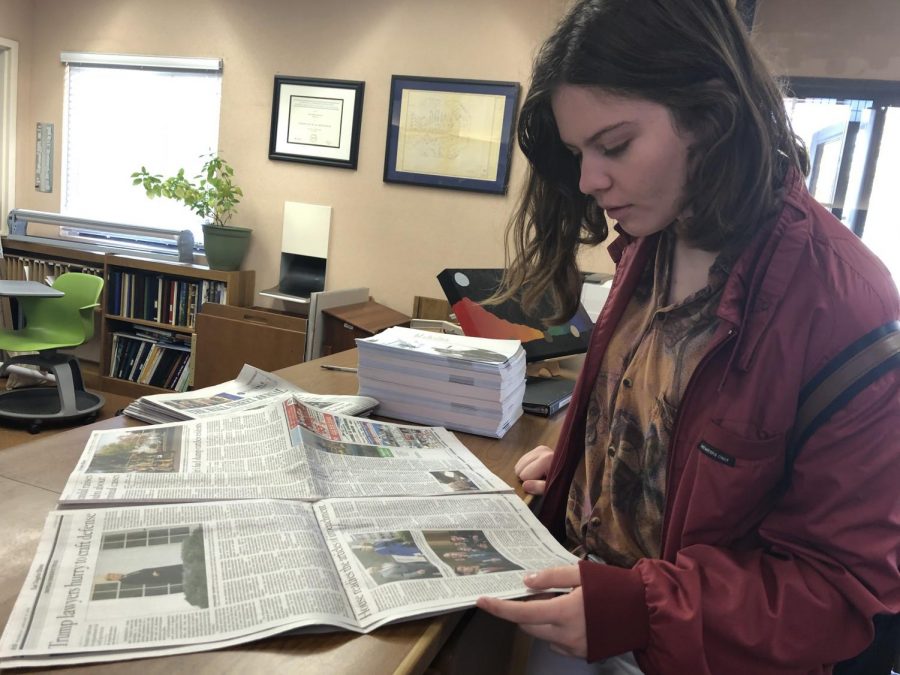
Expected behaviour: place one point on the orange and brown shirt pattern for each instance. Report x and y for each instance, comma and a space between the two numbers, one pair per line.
616, 501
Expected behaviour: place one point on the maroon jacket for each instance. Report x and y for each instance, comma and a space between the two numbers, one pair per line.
748, 581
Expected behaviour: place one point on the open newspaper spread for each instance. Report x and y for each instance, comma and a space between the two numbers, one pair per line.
252, 388
128, 582
282, 450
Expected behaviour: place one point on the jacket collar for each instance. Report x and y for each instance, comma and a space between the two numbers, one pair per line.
764, 271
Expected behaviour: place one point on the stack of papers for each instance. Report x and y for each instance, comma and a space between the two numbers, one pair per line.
459, 382
253, 388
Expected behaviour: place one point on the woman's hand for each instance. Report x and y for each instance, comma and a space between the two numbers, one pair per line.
533, 467
558, 620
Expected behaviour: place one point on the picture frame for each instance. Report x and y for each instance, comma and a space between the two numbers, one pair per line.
450, 133
316, 121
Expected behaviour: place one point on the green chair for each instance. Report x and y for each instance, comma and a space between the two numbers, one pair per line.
51, 324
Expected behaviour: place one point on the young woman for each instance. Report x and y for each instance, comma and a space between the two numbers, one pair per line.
733, 287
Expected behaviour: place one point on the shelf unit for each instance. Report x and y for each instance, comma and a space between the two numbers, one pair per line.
43, 259
149, 319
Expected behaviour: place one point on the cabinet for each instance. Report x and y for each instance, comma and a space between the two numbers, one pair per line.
149, 317
342, 325
228, 337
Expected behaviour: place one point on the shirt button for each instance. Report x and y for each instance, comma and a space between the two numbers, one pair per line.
627, 383
595, 522
611, 450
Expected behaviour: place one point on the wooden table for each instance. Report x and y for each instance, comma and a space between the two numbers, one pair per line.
32, 476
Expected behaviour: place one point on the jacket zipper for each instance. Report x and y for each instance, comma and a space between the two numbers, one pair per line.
732, 332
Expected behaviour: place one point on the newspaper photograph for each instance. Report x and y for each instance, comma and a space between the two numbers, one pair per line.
446, 551
129, 582
252, 388
283, 450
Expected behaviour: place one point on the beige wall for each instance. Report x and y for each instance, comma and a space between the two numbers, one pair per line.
391, 238
831, 38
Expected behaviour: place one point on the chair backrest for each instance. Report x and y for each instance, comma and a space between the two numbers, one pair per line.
72, 315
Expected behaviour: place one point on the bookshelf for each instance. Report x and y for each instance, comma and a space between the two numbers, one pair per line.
149, 320
132, 313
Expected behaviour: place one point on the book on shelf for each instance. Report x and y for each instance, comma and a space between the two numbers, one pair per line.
151, 296
282, 518
135, 357
465, 383
252, 388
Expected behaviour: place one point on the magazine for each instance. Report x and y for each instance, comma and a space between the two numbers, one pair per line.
482, 355
252, 388
283, 450
127, 582
465, 383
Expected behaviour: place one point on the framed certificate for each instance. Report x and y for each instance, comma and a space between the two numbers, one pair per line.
450, 133
316, 121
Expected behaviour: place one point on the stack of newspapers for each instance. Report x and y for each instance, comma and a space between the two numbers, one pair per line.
252, 388
464, 383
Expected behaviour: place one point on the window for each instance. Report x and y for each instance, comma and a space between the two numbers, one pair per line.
852, 131
124, 112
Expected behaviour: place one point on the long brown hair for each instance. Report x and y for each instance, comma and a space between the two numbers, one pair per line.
695, 58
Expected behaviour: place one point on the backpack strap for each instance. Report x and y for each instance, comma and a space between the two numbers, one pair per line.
841, 379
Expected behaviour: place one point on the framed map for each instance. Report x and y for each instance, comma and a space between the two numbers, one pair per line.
450, 133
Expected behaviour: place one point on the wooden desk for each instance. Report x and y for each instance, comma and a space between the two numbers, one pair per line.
32, 476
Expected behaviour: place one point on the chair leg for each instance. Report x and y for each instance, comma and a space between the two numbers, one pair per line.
65, 385
70, 392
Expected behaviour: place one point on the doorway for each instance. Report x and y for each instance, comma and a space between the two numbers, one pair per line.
9, 68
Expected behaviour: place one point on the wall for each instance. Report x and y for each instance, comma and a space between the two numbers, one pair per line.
831, 38
392, 238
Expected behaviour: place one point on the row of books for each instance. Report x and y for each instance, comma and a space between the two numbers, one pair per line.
459, 382
147, 358
160, 298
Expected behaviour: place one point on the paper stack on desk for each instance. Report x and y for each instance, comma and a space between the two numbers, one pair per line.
464, 383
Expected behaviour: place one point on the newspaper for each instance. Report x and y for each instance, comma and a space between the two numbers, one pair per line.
128, 582
283, 450
252, 388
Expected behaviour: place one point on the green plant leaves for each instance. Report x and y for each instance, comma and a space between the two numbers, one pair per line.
212, 194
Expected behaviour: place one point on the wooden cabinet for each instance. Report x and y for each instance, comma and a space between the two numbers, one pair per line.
342, 325
149, 319
228, 337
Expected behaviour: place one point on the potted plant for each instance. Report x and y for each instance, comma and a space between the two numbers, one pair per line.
213, 196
